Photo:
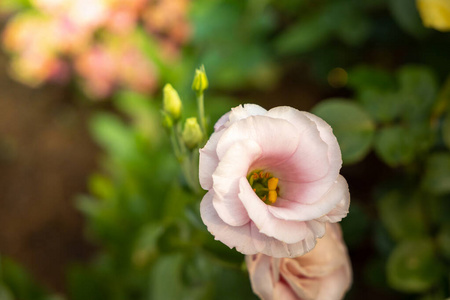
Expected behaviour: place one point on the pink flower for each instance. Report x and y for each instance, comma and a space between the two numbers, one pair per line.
322, 274
272, 179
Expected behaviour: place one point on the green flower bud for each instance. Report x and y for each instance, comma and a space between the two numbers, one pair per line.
200, 82
171, 102
192, 134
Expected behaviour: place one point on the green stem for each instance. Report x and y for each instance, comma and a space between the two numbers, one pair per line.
201, 112
187, 159
175, 144
189, 170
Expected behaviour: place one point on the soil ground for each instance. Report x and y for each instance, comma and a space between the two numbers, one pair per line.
46, 155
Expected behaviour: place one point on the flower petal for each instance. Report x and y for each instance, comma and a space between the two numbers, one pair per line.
310, 161
289, 232
326, 133
220, 124
208, 161
265, 132
239, 236
233, 166
291, 210
244, 111
275, 248
332, 286
310, 192
259, 270
337, 213
282, 291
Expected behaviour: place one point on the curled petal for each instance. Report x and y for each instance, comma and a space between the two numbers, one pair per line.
208, 161
261, 275
232, 236
244, 111
232, 168
220, 124
265, 132
323, 273
291, 210
289, 232
238, 113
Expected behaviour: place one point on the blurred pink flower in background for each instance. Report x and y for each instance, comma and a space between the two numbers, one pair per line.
33, 41
44, 42
168, 21
97, 68
323, 274
116, 62
273, 180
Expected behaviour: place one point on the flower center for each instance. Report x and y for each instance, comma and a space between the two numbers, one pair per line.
264, 185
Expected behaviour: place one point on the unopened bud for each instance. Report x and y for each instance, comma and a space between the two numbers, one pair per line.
171, 102
192, 134
200, 82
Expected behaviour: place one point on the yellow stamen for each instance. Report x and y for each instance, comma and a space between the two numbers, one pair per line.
264, 185
272, 196
272, 183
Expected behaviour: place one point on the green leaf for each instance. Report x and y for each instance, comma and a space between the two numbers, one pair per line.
353, 127
398, 145
402, 214
406, 14
18, 281
365, 77
437, 173
413, 267
166, 281
304, 36
84, 283
101, 186
143, 112
383, 106
146, 248
354, 27
418, 88
393, 146
175, 202
112, 135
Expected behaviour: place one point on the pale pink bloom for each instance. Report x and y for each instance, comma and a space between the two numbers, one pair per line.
296, 147
116, 62
322, 274
97, 67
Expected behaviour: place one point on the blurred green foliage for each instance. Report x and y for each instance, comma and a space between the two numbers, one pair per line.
407, 111
16, 283
147, 221
391, 117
